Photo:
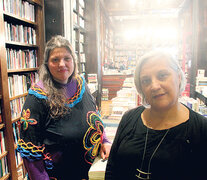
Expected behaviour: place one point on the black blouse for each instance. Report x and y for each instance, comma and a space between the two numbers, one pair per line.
178, 157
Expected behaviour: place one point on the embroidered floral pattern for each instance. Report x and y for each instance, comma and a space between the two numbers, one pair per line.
25, 119
93, 136
29, 150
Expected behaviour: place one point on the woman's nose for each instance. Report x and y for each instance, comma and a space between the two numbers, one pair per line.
155, 84
62, 62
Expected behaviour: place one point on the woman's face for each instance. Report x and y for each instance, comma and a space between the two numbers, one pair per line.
159, 83
61, 64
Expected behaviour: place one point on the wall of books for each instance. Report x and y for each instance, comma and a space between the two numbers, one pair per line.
79, 33
22, 43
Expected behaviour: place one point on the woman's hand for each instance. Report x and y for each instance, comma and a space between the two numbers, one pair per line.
105, 150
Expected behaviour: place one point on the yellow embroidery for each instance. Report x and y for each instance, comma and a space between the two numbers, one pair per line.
93, 136
25, 119
30, 146
38, 90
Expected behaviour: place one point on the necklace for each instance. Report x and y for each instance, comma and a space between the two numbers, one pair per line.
146, 175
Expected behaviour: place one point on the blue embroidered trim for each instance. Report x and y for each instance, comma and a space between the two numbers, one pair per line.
49, 164
80, 80
35, 93
28, 154
80, 96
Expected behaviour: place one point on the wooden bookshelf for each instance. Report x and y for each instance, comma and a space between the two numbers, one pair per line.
34, 42
79, 34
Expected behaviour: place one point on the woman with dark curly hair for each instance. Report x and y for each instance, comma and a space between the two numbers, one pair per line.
61, 129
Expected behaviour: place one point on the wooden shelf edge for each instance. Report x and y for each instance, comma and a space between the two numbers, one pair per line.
2, 125
22, 70
14, 16
5, 177
37, 2
19, 96
20, 164
201, 97
15, 120
21, 44
3, 154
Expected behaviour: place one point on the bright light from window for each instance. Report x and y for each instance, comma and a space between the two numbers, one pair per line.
161, 33
132, 2
130, 34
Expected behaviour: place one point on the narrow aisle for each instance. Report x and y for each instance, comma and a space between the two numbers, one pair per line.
110, 123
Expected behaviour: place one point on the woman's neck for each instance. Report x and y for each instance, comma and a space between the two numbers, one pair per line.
165, 119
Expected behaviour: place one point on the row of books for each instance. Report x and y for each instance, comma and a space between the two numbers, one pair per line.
2, 142
82, 58
19, 84
83, 68
201, 82
19, 33
16, 106
3, 166
3, 160
195, 104
81, 38
20, 8
19, 59
16, 133
0, 114
81, 3
75, 18
81, 20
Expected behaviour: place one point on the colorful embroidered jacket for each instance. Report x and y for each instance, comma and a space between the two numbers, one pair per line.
63, 148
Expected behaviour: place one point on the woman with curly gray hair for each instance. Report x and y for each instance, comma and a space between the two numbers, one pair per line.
164, 139
61, 129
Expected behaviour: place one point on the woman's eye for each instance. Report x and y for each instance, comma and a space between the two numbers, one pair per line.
55, 60
145, 81
162, 76
68, 58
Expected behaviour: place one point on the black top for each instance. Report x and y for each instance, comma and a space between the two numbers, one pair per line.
69, 144
181, 156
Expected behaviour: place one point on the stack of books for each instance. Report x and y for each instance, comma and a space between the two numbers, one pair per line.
97, 170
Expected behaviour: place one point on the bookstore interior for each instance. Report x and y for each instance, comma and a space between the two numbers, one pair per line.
108, 37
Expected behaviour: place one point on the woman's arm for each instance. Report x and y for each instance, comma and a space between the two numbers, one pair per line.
36, 170
30, 145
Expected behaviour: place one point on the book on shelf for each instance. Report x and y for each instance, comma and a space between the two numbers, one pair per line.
97, 170
20, 174
0, 114
16, 106
23, 44
75, 18
82, 3
82, 22
2, 142
20, 59
92, 78
20, 33
21, 8
3, 166
19, 84
81, 11
83, 69
82, 58
81, 39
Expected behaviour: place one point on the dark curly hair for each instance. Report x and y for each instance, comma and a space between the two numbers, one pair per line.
55, 92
